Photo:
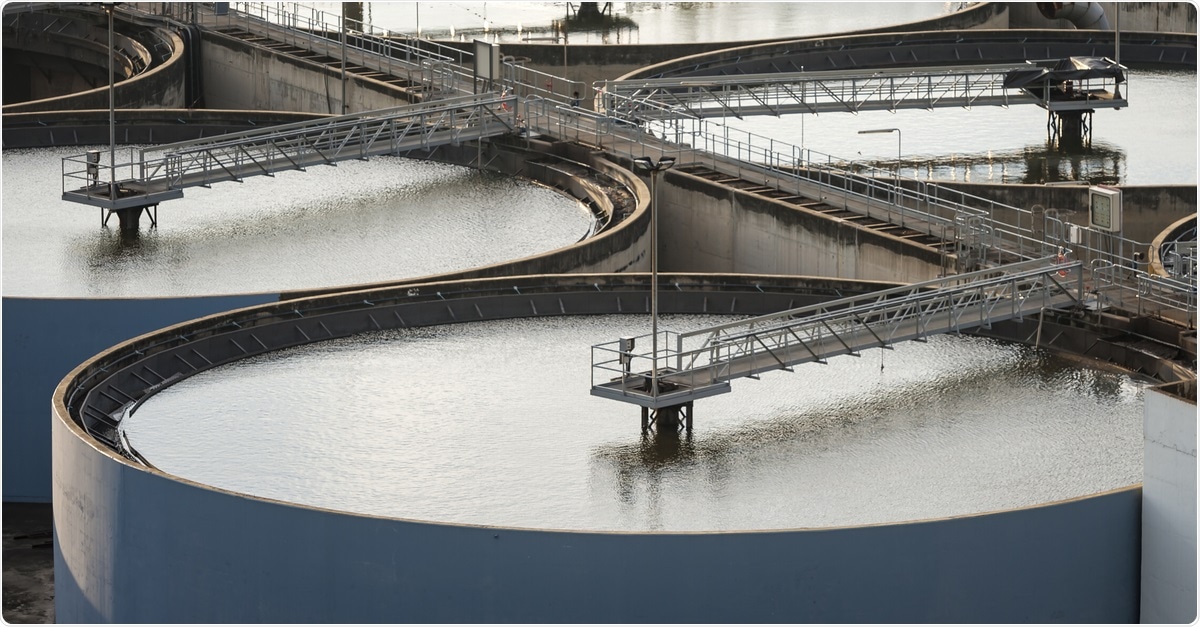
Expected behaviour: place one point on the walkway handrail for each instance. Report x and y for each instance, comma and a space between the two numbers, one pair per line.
171, 167
849, 90
978, 277
701, 363
317, 24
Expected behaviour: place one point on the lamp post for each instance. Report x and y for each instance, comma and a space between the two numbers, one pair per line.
645, 164
342, 19
109, 7
899, 138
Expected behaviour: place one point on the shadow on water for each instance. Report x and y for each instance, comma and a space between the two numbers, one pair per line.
109, 249
594, 18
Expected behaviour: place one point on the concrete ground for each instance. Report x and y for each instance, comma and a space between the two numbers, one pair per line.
28, 563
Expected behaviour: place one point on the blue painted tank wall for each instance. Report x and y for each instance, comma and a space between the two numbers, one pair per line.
132, 545
44, 339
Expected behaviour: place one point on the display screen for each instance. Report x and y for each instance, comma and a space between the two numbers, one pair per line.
1102, 212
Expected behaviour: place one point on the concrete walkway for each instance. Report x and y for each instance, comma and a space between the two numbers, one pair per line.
28, 563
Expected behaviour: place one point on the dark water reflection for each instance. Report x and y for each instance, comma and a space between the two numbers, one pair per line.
1098, 163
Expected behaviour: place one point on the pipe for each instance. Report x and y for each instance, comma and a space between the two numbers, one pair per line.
1084, 15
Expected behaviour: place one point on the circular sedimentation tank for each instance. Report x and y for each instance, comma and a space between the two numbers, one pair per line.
490, 423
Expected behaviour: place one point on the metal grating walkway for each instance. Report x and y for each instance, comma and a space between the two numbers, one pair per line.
823, 92
162, 172
701, 363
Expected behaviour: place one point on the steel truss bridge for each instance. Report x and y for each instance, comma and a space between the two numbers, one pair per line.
701, 363
841, 91
163, 172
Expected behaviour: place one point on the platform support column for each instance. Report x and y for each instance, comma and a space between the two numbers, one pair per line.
1070, 129
129, 218
674, 417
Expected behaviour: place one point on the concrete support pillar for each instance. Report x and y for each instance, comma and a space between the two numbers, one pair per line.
129, 219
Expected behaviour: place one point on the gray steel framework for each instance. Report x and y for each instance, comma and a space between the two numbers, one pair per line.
830, 91
701, 363
162, 172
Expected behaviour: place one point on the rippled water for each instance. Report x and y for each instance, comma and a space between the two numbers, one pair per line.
358, 222
492, 423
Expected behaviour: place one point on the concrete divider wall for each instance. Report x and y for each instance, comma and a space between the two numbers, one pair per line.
239, 75
161, 86
1159, 17
715, 228
1169, 505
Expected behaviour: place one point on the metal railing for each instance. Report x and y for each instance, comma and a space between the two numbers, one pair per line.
165, 169
701, 363
888, 89
816, 92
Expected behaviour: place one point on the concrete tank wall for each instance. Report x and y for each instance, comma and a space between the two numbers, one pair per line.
240, 75
1158, 17
1169, 506
44, 338
134, 545
715, 228
161, 86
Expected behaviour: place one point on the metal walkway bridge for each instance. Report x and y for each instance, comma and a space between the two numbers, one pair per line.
163, 172
701, 363
846, 91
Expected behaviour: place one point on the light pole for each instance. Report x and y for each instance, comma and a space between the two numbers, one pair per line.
342, 19
645, 164
899, 138
109, 7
